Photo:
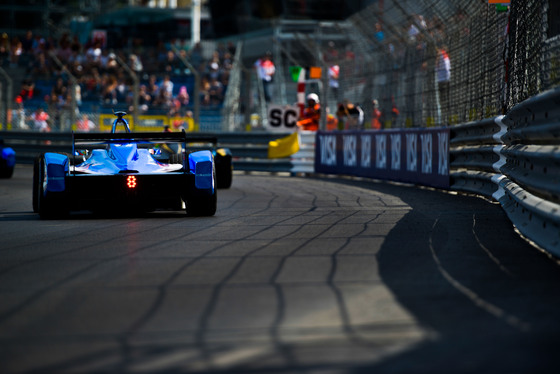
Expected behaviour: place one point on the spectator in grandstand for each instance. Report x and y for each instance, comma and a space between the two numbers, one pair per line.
152, 88
183, 55
182, 100
4, 49
93, 54
93, 85
27, 89
171, 64
216, 92
224, 79
351, 115
183, 122
85, 124
184, 45
144, 99
265, 71
19, 117
311, 114
15, 51
64, 50
167, 86
213, 70
40, 65
334, 72
109, 90
177, 122
227, 61
99, 75
204, 92
40, 118
164, 98
443, 77
108, 63
27, 42
136, 64
415, 24
122, 89
59, 91
437, 30
331, 54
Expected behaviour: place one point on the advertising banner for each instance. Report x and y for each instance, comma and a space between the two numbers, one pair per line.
419, 156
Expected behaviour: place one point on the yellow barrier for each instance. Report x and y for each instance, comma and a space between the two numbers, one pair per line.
149, 123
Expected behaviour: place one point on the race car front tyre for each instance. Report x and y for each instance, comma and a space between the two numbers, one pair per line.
224, 170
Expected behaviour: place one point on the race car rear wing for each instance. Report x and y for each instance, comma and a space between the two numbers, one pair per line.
141, 137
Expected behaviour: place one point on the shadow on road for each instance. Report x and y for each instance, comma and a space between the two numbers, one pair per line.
491, 298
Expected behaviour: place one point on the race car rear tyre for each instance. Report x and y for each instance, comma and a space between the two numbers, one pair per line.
36, 185
6, 172
202, 206
224, 169
48, 204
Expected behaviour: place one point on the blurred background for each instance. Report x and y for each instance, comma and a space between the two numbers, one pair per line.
191, 64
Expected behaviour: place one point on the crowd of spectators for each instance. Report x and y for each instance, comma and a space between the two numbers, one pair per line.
166, 83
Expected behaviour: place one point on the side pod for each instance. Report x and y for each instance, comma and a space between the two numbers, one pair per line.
56, 170
201, 164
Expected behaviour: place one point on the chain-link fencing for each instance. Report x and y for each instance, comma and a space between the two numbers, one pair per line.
426, 63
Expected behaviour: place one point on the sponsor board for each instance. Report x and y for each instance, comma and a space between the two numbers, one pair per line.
419, 156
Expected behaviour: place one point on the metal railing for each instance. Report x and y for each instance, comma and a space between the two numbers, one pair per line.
515, 160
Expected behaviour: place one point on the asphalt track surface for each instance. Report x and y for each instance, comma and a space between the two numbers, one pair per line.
292, 275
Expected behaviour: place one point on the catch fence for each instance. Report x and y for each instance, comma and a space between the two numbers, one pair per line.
396, 52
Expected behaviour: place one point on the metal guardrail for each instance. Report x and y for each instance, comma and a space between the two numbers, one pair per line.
535, 120
515, 160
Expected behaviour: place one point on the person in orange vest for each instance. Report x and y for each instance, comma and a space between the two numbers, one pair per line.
332, 122
376, 116
311, 114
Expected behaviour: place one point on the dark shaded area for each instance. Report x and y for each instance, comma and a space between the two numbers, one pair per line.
237, 17
493, 306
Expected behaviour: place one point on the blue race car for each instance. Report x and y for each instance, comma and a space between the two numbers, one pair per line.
223, 158
118, 172
7, 160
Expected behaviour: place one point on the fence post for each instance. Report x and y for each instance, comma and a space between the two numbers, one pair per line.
9, 90
196, 74
73, 83
135, 89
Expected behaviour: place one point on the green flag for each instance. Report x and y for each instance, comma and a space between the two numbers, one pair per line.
294, 72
